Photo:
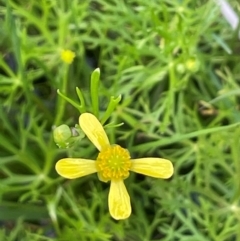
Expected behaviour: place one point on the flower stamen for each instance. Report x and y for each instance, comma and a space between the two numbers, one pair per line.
113, 163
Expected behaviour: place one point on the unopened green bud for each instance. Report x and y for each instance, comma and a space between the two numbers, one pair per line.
180, 68
192, 64
64, 136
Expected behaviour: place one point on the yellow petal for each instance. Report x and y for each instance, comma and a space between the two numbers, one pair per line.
154, 167
93, 130
119, 200
74, 167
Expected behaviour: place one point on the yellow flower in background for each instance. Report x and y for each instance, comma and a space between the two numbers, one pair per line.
67, 56
113, 164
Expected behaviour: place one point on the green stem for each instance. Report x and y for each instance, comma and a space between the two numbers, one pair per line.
94, 91
73, 103
82, 106
111, 106
61, 102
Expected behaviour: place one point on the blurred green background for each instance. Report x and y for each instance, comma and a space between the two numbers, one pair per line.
176, 65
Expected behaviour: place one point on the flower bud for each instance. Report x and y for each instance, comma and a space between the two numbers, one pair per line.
64, 136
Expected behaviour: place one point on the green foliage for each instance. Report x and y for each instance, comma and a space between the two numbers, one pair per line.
169, 72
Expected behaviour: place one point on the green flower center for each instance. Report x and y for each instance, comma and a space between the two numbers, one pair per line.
113, 163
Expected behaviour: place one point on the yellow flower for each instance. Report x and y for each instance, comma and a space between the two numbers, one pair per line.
67, 56
113, 164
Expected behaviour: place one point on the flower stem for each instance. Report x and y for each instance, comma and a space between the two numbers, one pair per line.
61, 102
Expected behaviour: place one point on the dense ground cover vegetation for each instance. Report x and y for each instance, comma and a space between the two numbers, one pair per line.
175, 65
